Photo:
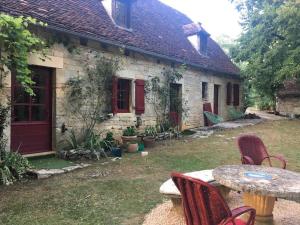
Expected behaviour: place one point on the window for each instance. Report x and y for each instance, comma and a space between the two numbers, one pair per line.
202, 38
121, 12
236, 95
204, 90
229, 94
32, 108
123, 95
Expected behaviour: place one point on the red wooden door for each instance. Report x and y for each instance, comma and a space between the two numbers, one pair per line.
31, 115
175, 104
216, 99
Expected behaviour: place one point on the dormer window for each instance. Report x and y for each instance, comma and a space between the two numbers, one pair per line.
121, 12
198, 36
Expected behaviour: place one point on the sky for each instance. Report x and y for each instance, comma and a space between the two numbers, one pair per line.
218, 17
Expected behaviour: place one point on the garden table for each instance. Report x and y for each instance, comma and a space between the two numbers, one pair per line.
260, 186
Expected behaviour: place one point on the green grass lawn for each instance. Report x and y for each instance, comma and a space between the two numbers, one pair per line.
124, 191
49, 162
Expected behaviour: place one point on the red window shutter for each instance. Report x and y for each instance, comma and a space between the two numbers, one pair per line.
229, 94
114, 104
236, 95
139, 97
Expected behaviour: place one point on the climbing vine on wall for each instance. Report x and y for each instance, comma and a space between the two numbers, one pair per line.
16, 42
88, 97
158, 90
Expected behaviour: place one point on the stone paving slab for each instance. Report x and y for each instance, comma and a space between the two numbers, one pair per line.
204, 132
46, 173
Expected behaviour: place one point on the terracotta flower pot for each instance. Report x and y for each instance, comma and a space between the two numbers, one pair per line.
149, 142
126, 139
131, 148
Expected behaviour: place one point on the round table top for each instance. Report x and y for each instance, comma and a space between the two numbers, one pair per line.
261, 180
169, 188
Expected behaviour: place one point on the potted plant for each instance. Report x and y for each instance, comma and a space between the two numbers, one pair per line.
112, 145
150, 135
129, 134
132, 146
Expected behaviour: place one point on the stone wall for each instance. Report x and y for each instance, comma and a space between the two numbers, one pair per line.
134, 66
288, 106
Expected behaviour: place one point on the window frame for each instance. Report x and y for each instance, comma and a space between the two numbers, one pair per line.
204, 90
236, 94
128, 95
31, 102
229, 93
127, 13
202, 42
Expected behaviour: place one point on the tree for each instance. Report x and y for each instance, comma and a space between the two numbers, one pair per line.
226, 42
269, 46
16, 42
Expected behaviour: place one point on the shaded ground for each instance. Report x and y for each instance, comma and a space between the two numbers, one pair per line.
123, 192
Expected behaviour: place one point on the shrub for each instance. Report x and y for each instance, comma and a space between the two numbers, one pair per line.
130, 131
164, 126
12, 167
150, 131
12, 164
109, 142
87, 145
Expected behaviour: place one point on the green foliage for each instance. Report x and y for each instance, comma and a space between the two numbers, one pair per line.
88, 98
85, 145
12, 167
3, 119
269, 46
109, 142
16, 42
72, 140
234, 114
158, 94
226, 42
163, 126
150, 131
94, 143
64, 39
130, 131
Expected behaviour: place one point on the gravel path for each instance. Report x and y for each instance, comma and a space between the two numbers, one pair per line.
285, 212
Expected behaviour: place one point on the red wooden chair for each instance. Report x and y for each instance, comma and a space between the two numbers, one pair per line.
254, 152
204, 205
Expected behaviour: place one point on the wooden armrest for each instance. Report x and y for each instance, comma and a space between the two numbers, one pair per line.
247, 160
280, 158
240, 211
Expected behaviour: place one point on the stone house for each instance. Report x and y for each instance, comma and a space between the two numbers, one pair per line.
151, 35
288, 98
